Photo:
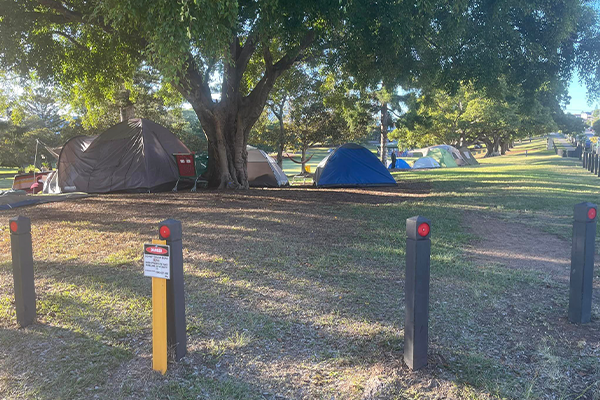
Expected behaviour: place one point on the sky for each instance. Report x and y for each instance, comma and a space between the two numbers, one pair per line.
579, 101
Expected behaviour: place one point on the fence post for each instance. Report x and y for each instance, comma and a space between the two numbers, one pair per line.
582, 263
416, 289
22, 261
171, 231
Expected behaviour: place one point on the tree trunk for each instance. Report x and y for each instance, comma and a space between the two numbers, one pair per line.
503, 147
303, 159
227, 123
227, 135
281, 142
384, 123
496, 144
489, 147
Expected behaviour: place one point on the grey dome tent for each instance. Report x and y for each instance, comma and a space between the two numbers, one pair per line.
263, 171
425, 162
133, 156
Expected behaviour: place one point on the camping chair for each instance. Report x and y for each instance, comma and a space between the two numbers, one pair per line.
186, 166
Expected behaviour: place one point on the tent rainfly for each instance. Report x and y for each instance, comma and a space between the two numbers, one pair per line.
456, 155
400, 164
132, 156
425, 162
352, 165
263, 171
468, 156
443, 157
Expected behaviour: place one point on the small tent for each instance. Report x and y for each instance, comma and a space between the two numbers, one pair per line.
468, 156
443, 157
263, 171
132, 156
352, 165
454, 152
400, 164
425, 162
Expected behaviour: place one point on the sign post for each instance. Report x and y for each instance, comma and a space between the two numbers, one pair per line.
416, 288
22, 261
582, 263
171, 231
157, 265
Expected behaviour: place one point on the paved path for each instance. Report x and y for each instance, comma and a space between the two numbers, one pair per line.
562, 142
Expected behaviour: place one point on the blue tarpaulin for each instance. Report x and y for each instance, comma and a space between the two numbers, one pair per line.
352, 165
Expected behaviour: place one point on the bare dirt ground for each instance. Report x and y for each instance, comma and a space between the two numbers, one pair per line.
518, 246
291, 294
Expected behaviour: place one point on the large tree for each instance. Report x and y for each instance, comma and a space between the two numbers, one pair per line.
204, 48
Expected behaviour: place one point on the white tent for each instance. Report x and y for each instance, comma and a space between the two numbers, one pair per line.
425, 162
263, 171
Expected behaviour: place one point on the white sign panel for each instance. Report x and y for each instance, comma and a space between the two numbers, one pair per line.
157, 261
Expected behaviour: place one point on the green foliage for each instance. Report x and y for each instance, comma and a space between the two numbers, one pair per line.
596, 126
471, 115
569, 124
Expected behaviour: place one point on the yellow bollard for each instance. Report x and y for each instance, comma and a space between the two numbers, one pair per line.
159, 321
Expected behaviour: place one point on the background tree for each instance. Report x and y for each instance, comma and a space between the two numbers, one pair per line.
293, 84
469, 116
596, 127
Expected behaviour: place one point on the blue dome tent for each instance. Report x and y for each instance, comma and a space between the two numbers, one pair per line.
400, 164
351, 165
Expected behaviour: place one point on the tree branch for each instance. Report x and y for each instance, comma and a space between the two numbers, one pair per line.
70, 39
72, 16
244, 53
193, 87
65, 15
259, 94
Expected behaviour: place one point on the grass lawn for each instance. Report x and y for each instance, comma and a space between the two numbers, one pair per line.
6, 177
298, 293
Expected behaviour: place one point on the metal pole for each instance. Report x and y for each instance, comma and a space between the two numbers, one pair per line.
416, 288
582, 263
22, 261
171, 231
584, 159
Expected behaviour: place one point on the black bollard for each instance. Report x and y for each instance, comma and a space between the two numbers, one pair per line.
170, 230
591, 162
416, 288
584, 159
582, 263
22, 261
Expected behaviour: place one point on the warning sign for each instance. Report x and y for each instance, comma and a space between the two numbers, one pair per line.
594, 139
157, 261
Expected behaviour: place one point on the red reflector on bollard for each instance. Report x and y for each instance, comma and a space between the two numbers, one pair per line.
13, 226
423, 229
592, 213
165, 232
